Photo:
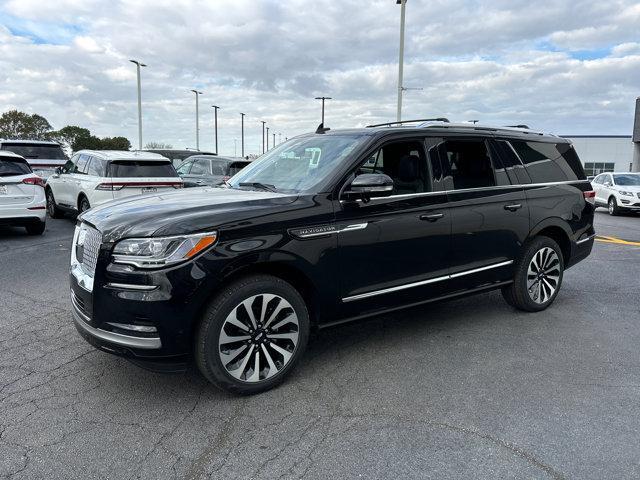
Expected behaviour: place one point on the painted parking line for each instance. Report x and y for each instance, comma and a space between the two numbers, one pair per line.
618, 241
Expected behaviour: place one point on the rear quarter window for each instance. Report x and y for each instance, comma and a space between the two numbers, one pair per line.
13, 166
141, 169
549, 162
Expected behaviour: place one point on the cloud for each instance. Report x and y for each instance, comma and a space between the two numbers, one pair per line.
567, 67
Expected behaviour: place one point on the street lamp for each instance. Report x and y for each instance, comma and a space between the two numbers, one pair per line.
138, 65
215, 125
242, 143
274, 139
263, 124
323, 99
279, 138
402, 3
197, 120
235, 147
267, 139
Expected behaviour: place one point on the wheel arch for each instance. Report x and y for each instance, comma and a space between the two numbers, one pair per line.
81, 195
558, 231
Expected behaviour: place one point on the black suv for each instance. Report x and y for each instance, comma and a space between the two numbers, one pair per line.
323, 229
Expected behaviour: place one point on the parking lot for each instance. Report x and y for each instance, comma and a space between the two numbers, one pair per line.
469, 388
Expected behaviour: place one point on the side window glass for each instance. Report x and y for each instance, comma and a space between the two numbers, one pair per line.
218, 168
609, 179
569, 162
468, 163
511, 163
69, 165
200, 167
539, 160
405, 162
81, 166
95, 167
184, 168
432, 145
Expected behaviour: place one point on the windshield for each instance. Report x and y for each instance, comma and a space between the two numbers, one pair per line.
299, 164
627, 180
36, 151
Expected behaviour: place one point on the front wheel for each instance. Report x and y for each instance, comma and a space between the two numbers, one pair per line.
538, 276
252, 335
52, 208
613, 207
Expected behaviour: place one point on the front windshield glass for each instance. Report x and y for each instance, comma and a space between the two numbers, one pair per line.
297, 165
627, 180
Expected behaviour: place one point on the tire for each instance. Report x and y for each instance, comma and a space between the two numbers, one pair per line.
230, 365
613, 207
36, 228
530, 291
83, 204
52, 208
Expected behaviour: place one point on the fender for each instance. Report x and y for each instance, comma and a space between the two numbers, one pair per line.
551, 222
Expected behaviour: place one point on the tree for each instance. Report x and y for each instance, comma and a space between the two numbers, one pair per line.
92, 142
17, 125
67, 136
115, 143
155, 145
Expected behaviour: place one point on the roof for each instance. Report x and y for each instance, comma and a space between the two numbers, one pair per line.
123, 155
35, 142
217, 157
596, 136
9, 153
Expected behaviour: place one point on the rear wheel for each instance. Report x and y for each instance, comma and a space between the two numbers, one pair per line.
83, 204
538, 276
252, 335
36, 228
52, 208
613, 207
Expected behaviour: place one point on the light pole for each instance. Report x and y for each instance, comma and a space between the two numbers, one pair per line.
242, 131
197, 119
267, 139
138, 65
323, 99
215, 124
401, 59
274, 139
279, 138
263, 124
235, 147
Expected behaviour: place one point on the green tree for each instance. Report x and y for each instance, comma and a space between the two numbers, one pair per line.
154, 145
92, 142
68, 135
115, 143
16, 125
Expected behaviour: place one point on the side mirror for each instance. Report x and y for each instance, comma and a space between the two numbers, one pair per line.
58, 171
370, 185
607, 184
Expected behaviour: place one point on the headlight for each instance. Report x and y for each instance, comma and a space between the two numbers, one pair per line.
157, 252
622, 192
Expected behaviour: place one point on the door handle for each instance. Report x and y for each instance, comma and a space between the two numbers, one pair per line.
431, 217
513, 207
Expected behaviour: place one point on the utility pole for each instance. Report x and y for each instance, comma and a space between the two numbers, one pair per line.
323, 99
274, 139
242, 141
235, 147
263, 124
279, 138
267, 139
138, 65
215, 124
401, 59
197, 119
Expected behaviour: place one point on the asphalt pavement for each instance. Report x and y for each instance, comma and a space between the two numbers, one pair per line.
465, 389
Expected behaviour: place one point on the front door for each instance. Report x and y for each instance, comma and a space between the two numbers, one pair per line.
395, 250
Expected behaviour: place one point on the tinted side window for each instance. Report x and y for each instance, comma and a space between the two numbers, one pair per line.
96, 167
235, 167
81, 166
69, 165
549, 162
512, 164
200, 167
468, 163
184, 168
218, 168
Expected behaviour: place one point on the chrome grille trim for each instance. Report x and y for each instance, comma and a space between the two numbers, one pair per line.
90, 249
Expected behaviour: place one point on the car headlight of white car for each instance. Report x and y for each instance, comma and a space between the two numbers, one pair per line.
155, 252
622, 192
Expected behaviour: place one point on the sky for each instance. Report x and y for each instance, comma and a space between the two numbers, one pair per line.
563, 66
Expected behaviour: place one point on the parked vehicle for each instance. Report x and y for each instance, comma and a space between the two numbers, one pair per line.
618, 192
323, 229
43, 157
91, 178
177, 156
22, 199
203, 170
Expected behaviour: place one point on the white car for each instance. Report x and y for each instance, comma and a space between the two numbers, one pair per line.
42, 156
91, 178
22, 200
618, 192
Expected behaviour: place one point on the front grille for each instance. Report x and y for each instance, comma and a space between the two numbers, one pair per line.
87, 253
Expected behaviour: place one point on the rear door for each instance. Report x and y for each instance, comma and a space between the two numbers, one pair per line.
13, 192
489, 214
64, 184
139, 177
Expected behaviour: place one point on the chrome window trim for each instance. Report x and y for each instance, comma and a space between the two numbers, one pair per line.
464, 190
424, 282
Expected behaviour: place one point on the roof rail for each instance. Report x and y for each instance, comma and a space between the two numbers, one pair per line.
519, 126
388, 124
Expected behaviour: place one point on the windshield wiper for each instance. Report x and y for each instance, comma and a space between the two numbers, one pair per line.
261, 186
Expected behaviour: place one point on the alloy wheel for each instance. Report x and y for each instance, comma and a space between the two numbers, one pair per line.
51, 205
258, 338
612, 207
543, 275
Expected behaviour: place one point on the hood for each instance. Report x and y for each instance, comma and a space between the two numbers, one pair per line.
182, 211
627, 188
